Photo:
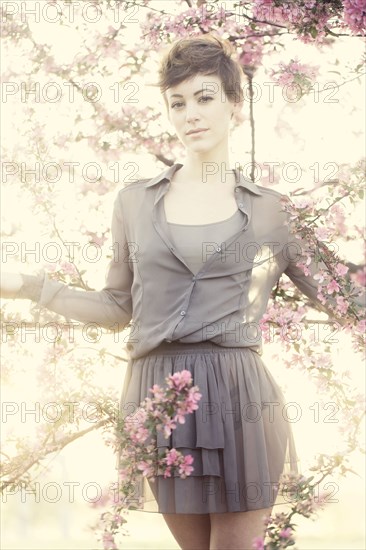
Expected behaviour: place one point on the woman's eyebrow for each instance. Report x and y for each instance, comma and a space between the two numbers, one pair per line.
202, 90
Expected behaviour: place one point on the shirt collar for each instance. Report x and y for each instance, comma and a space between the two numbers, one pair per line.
241, 180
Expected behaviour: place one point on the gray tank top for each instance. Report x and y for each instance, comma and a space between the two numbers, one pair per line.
197, 243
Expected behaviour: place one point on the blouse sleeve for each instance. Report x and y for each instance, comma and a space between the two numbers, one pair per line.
106, 307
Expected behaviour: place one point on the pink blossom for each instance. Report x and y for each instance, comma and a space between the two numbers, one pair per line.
355, 15
306, 507
341, 269
146, 468
185, 468
123, 474
168, 472
304, 267
171, 457
252, 52
319, 276
305, 202
265, 10
323, 361
337, 217
118, 519
138, 418
309, 19
180, 379
321, 500
285, 533
68, 268
191, 403
134, 424
333, 286
342, 305
258, 543
296, 74
104, 500
140, 435
179, 417
157, 391
322, 233
169, 425
108, 541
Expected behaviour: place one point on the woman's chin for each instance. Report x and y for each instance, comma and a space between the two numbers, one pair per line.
199, 148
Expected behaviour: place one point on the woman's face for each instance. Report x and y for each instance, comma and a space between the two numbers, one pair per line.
200, 113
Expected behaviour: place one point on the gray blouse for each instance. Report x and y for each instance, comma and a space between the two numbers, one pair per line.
150, 285
196, 243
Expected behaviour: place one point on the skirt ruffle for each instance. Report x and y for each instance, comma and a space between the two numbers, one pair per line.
240, 438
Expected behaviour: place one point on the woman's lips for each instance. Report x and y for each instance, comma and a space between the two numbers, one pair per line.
195, 132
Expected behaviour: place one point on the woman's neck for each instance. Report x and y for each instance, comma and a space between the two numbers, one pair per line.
206, 169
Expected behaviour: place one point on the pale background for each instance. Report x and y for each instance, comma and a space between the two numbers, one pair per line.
311, 131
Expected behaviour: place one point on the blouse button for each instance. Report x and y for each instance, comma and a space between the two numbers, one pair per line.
236, 190
218, 249
183, 312
241, 204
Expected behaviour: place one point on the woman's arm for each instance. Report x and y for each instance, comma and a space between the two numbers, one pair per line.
106, 307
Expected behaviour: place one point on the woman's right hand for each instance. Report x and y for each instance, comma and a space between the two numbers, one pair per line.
10, 284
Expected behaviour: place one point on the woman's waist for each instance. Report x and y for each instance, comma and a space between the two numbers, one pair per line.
167, 347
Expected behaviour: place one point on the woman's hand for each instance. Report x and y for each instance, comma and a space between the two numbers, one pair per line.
10, 284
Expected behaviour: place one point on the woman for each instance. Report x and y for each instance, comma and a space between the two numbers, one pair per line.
199, 248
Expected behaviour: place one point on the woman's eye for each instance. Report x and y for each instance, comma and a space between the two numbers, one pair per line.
205, 98
202, 99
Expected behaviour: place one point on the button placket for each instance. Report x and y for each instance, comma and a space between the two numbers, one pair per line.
161, 225
185, 305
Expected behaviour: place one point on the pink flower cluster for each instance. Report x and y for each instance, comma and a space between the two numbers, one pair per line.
258, 543
308, 18
108, 542
66, 268
331, 273
137, 449
159, 28
282, 322
251, 52
279, 527
295, 74
174, 403
175, 459
355, 15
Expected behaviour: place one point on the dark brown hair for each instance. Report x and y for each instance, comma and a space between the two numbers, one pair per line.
206, 54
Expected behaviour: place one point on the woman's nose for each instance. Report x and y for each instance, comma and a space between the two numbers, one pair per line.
191, 113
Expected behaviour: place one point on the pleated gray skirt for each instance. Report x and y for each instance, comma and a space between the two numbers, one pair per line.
240, 437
